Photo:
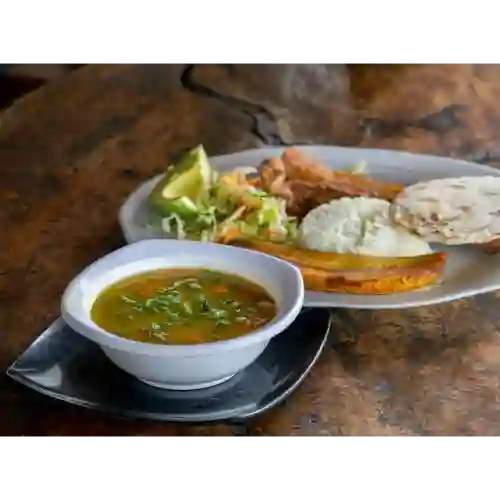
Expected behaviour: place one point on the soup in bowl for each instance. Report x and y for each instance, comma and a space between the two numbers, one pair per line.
181, 314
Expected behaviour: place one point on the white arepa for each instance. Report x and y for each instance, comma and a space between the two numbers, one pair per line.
453, 211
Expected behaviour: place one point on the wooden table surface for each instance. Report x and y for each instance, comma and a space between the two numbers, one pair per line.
72, 150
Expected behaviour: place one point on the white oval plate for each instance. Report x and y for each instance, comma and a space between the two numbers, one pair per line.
468, 271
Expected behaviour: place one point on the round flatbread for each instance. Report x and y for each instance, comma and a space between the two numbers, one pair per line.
452, 211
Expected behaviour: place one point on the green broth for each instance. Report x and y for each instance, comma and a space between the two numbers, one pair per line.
182, 306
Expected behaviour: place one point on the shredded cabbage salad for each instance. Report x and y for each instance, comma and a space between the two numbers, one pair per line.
233, 207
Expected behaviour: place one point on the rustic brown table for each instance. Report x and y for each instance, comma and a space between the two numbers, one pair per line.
71, 151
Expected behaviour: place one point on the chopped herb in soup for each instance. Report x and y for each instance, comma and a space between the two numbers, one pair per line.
182, 306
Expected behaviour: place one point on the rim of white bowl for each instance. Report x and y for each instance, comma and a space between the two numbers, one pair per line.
278, 324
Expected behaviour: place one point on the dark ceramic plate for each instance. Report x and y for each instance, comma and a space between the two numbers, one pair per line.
66, 366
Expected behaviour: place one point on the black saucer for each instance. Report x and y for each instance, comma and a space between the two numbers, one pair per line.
66, 366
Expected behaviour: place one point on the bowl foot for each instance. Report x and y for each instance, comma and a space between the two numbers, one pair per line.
186, 387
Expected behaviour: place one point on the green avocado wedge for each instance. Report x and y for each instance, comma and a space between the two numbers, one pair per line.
184, 185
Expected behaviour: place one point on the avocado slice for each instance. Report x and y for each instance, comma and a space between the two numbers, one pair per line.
183, 185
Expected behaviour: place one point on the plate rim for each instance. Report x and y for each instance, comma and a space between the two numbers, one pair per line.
333, 300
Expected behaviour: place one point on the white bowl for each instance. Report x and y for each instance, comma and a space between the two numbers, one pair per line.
182, 367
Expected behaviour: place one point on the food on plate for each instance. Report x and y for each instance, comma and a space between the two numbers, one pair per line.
305, 183
350, 273
358, 226
194, 201
182, 306
451, 211
183, 185
294, 203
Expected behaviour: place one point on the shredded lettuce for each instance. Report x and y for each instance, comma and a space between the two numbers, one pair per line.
174, 225
230, 205
360, 168
270, 222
